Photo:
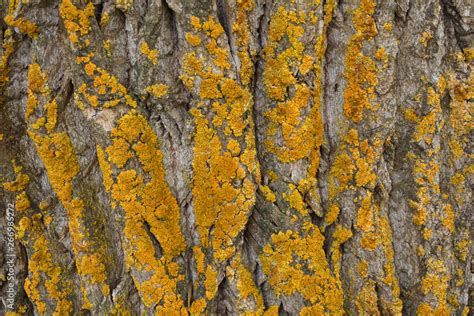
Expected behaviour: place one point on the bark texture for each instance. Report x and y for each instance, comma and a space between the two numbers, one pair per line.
276, 157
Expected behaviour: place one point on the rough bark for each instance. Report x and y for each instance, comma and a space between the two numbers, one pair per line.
237, 156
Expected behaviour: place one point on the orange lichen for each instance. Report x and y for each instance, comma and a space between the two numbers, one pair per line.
456, 148
268, 193
461, 247
105, 168
192, 39
7, 51
20, 182
148, 203
332, 214
295, 200
294, 129
241, 29
45, 272
285, 261
22, 202
105, 85
249, 300
435, 283
158, 90
220, 56
388, 26
196, 23
360, 71
151, 54
224, 162
411, 116
381, 55
107, 44
362, 268
57, 153
216, 197
448, 220
36, 79
365, 214
367, 299
76, 21
210, 283
51, 115
212, 29
342, 171
25, 26
425, 37
277, 75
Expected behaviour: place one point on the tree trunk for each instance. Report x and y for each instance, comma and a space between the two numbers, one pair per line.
230, 157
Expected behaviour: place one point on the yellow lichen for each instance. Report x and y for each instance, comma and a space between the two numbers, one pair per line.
147, 203
381, 55
20, 182
123, 4
448, 221
365, 214
105, 168
158, 90
76, 21
268, 193
388, 26
59, 159
25, 26
7, 52
45, 270
224, 162
360, 71
151, 54
295, 200
332, 214
411, 116
192, 39
250, 300
285, 260
435, 283
425, 37
367, 299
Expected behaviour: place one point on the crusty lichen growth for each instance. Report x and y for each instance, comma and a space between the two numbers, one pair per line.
60, 161
434, 208
100, 83
44, 286
283, 261
46, 283
353, 173
249, 300
150, 54
100, 89
25, 26
360, 71
77, 22
150, 209
158, 90
288, 26
7, 51
224, 163
292, 80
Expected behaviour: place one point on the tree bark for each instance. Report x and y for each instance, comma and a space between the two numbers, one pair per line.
236, 157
